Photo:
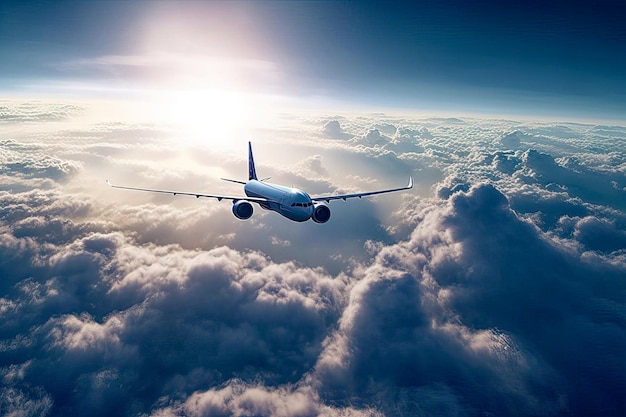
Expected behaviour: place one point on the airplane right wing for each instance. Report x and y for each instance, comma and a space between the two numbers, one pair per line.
359, 195
197, 195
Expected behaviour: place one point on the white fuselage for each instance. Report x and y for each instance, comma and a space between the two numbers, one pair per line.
292, 203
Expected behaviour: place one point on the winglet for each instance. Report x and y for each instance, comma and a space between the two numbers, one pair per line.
251, 168
410, 182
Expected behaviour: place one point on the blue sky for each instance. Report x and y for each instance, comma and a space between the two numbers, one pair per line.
565, 59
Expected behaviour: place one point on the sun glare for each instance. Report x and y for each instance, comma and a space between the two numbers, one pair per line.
209, 116
213, 83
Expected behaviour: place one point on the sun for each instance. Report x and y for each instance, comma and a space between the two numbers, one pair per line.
208, 109
208, 117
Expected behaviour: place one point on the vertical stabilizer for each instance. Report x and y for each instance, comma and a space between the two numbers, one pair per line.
251, 169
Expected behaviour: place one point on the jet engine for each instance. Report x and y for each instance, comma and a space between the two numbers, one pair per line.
242, 209
321, 213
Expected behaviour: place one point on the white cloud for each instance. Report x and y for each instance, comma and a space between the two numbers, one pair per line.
333, 130
372, 138
470, 295
169, 70
36, 111
495, 287
241, 399
18, 403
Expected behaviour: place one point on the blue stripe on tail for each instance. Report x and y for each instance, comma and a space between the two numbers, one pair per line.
251, 169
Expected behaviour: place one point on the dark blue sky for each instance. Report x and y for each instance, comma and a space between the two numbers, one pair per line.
533, 57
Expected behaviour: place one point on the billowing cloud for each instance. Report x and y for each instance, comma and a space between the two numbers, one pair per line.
373, 137
471, 296
333, 130
135, 323
241, 399
494, 287
512, 140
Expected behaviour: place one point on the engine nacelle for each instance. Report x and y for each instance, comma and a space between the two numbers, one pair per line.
321, 213
242, 209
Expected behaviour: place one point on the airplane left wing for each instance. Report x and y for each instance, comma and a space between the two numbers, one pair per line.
359, 195
197, 195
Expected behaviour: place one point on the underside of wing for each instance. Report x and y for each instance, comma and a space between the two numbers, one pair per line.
344, 197
197, 195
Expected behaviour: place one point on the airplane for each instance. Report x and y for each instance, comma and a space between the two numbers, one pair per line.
292, 203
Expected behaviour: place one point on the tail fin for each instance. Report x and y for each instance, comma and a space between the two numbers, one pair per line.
251, 169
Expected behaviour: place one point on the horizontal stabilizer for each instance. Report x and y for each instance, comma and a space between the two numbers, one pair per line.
235, 181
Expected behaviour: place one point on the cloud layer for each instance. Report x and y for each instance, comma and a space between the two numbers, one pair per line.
497, 287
